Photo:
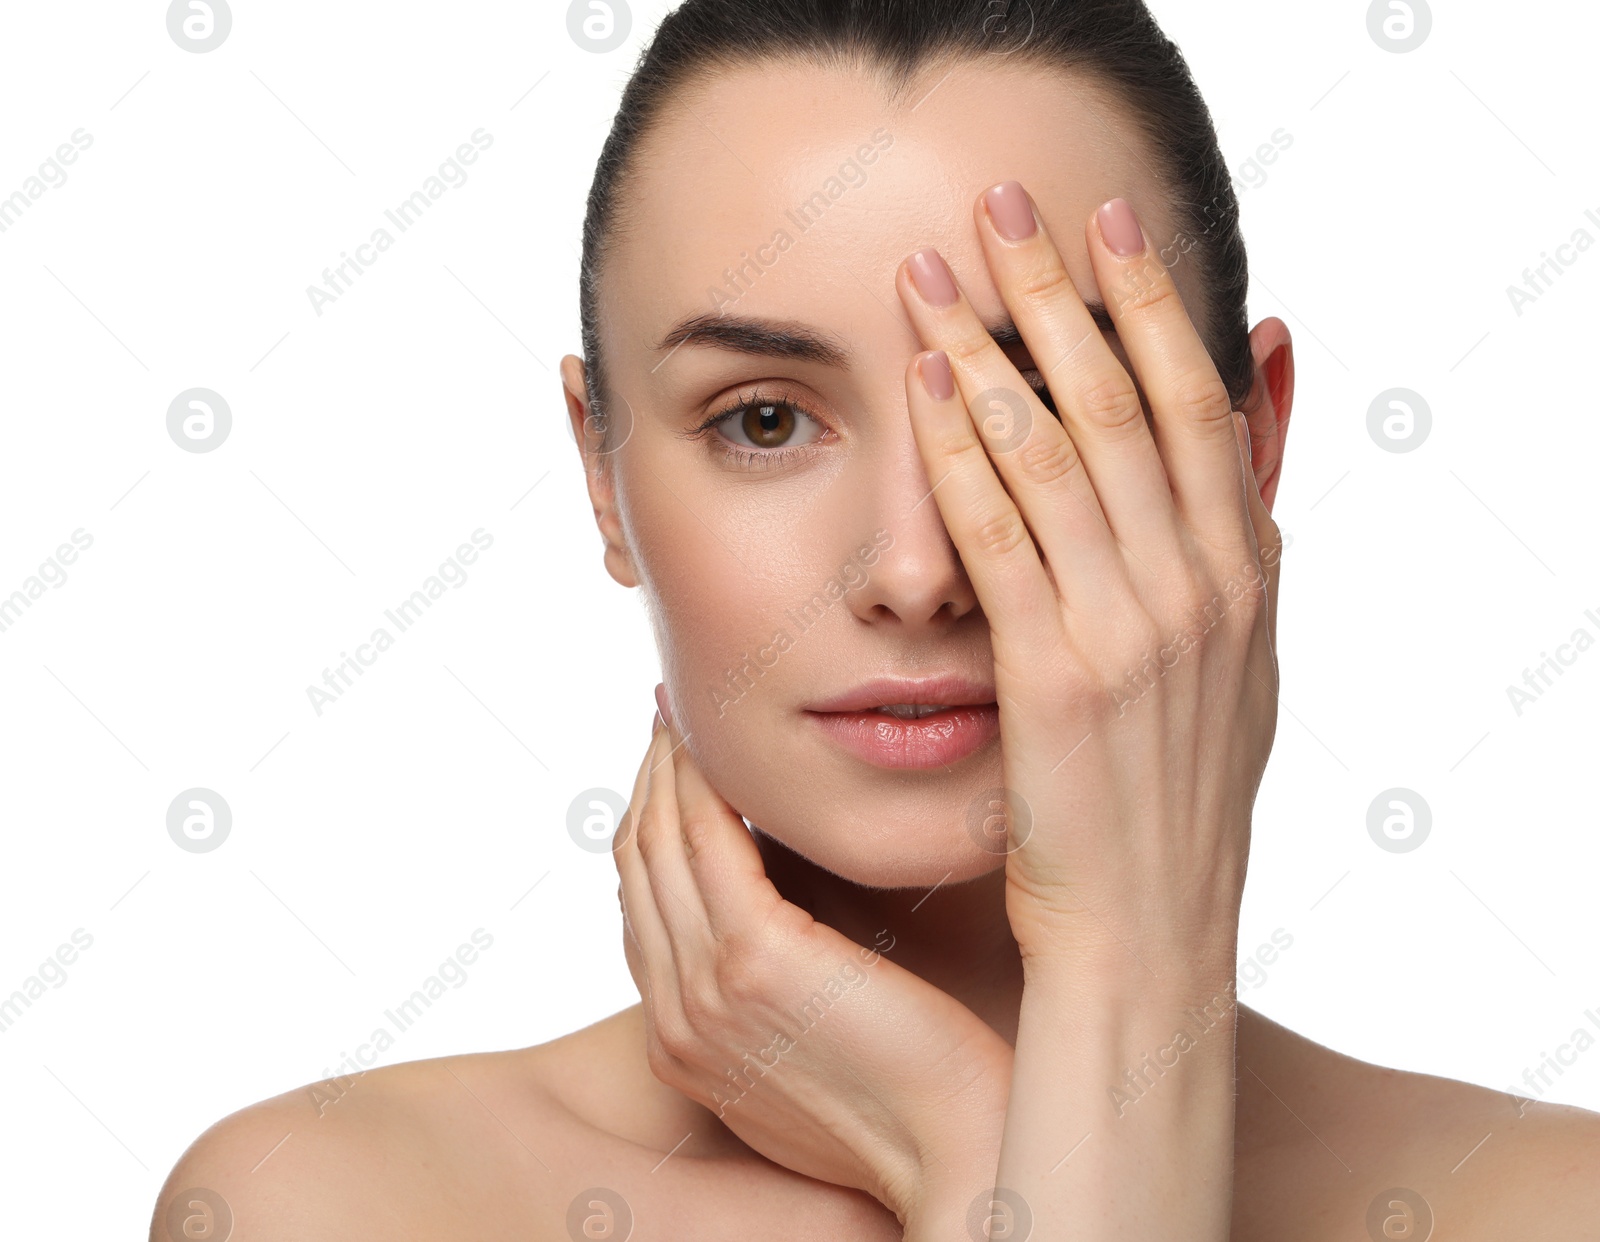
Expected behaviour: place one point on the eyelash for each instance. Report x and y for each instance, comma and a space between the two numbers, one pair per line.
760, 459
769, 458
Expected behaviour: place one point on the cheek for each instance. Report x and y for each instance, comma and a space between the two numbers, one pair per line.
718, 603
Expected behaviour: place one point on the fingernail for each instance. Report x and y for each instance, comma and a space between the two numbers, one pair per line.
931, 275
661, 703
934, 369
1010, 211
1120, 228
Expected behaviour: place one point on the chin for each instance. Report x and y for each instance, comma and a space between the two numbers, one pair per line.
875, 828
886, 868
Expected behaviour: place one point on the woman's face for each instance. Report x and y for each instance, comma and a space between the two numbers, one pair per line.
789, 559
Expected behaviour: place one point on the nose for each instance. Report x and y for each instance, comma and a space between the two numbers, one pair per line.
918, 582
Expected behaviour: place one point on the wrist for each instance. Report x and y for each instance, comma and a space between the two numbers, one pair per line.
957, 1156
943, 1199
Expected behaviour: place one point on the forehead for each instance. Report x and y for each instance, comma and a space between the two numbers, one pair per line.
793, 191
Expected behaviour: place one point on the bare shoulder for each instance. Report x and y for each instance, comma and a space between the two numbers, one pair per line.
1344, 1148
440, 1147
525, 1145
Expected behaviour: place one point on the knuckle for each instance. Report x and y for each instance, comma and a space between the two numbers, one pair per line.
1047, 458
1144, 635
740, 977
671, 1037
1001, 534
1147, 290
969, 346
648, 834
702, 1003
1041, 282
663, 1064
699, 832
1111, 404
956, 446
1205, 399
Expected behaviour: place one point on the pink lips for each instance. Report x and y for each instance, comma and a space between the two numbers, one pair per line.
970, 720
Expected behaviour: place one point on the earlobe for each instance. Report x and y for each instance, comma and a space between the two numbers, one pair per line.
599, 474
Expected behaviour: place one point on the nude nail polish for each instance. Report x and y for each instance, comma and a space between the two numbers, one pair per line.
1010, 211
932, 277
1120, 228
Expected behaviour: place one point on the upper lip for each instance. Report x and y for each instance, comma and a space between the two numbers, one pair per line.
948, 690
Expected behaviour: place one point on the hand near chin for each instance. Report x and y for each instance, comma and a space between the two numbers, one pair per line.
819, 1053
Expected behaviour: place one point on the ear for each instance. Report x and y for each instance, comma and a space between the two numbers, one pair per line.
1268, 405
599, 472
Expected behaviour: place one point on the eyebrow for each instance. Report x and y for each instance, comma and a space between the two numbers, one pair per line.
800, 342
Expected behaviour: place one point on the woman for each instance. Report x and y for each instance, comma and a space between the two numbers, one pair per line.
963, 576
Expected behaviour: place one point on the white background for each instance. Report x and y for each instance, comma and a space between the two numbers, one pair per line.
369, 442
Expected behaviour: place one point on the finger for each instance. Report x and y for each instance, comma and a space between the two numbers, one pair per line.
729, 875
1098, 400
660, 836
642, 920
1046, 491
1268, 538
990, 536
1191, 411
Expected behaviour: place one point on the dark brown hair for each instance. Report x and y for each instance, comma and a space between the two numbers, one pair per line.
1114, 43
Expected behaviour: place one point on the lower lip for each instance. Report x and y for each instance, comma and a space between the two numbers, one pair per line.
935, 741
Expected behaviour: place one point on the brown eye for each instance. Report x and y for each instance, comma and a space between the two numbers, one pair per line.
768, 423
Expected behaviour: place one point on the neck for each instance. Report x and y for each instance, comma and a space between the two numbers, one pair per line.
956, 936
